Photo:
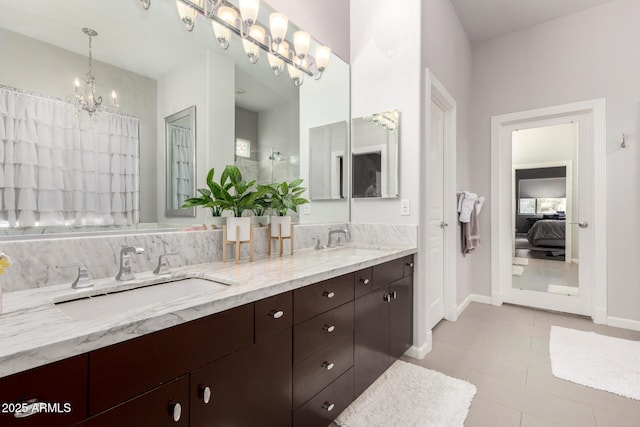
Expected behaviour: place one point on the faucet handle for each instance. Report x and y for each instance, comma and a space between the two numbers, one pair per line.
318, 245
163, 264
82, 280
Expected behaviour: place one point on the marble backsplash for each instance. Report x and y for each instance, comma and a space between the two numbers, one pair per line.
41, 262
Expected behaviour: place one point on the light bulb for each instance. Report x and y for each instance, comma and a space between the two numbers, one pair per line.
252, 50
277, 63
249, 11
296, 74
223, 34
113, 95
77, 82
301, 42
323, 55
188, 14
278, 23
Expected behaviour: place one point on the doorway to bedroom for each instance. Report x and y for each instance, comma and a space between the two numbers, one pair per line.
545, 191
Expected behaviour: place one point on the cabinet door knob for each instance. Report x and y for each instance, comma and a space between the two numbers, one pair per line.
175, 410
386, 297
410, 264
205, 393
365, 281
329, 328
328, 365
28, 408
393, 295
328, 294
328, 406
276, 314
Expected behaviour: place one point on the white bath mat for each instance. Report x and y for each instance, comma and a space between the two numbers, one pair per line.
520, 261
597, 361
574, 291
408, 395
517, 270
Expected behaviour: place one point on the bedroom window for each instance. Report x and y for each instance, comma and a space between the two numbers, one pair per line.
527, 206
551, 205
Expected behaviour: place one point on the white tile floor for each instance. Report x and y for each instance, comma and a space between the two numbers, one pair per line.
504, 351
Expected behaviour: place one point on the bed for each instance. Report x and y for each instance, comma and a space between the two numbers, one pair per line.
547, 232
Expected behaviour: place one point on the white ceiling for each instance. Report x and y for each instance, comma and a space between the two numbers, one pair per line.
149, 43
485, 19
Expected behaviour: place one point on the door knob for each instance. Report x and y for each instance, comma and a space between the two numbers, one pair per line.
581, 224
443, 224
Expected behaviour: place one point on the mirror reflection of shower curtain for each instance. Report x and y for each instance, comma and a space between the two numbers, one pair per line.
180, 164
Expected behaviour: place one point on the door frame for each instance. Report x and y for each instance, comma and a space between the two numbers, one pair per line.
435, 90
500, 200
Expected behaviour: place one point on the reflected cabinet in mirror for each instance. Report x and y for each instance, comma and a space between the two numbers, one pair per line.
180, 140
327, 162
375, 155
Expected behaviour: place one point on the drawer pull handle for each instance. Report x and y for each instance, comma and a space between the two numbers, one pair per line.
175, 410
328, 294
28, 408
276, 314
205, 393
410, 264
329, 328
328, 365
328, 406
364, 281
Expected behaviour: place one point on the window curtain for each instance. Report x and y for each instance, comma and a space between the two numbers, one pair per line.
58, 167
181, 165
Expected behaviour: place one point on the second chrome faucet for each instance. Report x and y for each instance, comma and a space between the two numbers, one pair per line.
125, 262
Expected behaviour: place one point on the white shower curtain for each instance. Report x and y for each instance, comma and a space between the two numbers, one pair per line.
180, 165
59, 169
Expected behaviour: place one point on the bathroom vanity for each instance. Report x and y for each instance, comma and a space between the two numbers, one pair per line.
288, 341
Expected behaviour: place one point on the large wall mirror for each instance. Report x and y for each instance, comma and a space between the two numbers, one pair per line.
328, 160
180, 142
375, 155
244, 113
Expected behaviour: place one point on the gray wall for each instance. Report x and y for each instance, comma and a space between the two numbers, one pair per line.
49, 70
247, 128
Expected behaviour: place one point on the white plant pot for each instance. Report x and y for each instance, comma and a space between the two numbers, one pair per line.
245, 228
277, 222
261, 221
218, 221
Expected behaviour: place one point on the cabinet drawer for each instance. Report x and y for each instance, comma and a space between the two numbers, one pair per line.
320, 297
63, 382
273, 314
320, 369
156, 408
363, 282
125, 370
326, 405
383, 274
321, 331
408, 265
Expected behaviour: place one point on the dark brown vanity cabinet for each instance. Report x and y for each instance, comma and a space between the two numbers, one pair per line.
60, 385
383, 321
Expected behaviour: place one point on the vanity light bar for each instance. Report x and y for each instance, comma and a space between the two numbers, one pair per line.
302, 62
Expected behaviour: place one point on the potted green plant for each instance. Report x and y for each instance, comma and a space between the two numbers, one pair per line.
284, 197
235, 195
262, 203
208, 199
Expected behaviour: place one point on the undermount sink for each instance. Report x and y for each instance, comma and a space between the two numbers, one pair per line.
107, 304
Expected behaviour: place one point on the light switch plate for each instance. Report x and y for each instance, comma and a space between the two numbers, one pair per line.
306, 209
405, 207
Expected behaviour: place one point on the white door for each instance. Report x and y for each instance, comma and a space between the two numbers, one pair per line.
567, 286
436, 215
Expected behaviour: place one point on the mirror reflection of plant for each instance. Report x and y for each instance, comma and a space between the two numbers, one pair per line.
285, 196
209, 197
262, 203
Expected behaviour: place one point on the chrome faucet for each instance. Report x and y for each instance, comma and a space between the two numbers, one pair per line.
330, 243
125, 262
82, 279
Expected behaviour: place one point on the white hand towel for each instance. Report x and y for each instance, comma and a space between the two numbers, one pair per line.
468, 204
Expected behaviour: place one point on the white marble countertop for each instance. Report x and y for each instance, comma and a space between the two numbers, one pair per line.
34, 331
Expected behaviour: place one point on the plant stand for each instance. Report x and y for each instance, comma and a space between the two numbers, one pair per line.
237, 242
279, 238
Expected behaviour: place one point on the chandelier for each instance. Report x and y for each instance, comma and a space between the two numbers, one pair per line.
85, 89
243, 21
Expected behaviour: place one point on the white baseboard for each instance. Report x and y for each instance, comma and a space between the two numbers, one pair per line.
421, 351
496, 298
575, 261
472, 298
619, 322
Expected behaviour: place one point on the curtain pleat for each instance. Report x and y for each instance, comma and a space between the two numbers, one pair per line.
180, 165
57, 168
